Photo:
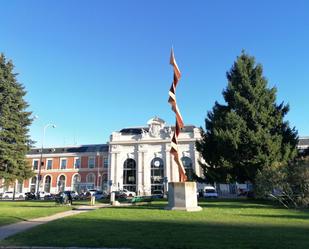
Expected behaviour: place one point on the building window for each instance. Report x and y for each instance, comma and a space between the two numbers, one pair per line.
91, 162
61, 183
49, 164
77, 162
157, 174
129, 175
63, 163
33, 184
47, 184
187, 163
19, 187
76, 183
90, 180
105, 182
35, 164
5, 188
105, 162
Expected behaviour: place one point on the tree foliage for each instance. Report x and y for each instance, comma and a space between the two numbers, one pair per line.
289, 184
248, 132
14, 123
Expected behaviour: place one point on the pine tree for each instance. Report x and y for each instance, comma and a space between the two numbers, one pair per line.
249, 132
14, 123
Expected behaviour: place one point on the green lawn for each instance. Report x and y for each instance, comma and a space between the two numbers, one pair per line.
222, 224
16, 211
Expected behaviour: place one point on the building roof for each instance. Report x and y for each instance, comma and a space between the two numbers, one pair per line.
139, 130
72, 149
303, 141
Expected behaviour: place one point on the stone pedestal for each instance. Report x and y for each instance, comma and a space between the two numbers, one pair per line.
182, 196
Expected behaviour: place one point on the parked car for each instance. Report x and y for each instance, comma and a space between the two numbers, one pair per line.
128, 193
74, 195
157, 194
44, 195
99, 195
93, 192
210, 192
9, 195
29, 196
118, 195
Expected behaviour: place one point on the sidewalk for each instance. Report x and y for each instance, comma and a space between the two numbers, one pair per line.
9, 230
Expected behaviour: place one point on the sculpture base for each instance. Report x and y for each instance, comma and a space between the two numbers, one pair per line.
182, 196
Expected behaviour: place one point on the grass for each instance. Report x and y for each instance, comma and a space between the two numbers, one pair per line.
15, 211
231, 224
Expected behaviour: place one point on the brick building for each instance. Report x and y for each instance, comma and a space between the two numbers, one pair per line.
67, 168
135, 158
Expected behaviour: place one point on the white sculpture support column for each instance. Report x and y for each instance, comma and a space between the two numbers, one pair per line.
167, 171
182, 196
113, 171
140, 173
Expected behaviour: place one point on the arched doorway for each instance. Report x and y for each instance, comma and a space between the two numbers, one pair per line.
129, 175
187, 163
19, 187
90, 179
47, 184
33, 184
76, 183
61, 183
157, 174
104, 182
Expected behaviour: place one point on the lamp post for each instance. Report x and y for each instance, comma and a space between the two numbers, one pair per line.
41, 158
98, 173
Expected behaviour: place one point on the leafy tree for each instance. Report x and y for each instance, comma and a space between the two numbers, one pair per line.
14, 123
249, 132
298, 181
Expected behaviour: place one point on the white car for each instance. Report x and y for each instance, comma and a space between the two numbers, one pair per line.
128, 193
210, 192
44, 194
9, 195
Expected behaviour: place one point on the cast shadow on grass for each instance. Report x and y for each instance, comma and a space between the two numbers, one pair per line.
13, 217
285, 216
156, 234
246, 203
150, 206
39, 206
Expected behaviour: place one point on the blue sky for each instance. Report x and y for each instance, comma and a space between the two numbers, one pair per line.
93, 67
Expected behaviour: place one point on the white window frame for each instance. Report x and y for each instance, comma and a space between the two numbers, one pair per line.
89, 158
66, 163
49, 159
80, 162
35, 160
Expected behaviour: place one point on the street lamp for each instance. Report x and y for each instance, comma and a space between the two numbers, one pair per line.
98, 173
41, 158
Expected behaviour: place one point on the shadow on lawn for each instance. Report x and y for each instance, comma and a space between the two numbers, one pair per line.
205, 203
40, 206
13, 217
162, 234
236, 203
305, 216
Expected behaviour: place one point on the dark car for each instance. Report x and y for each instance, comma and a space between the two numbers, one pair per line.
158, 194
73, 194
118, 195
29, 196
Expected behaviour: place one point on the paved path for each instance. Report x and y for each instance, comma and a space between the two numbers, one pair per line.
9, 230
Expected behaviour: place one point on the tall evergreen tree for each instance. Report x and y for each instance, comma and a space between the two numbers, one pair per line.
249, 132
14, 123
